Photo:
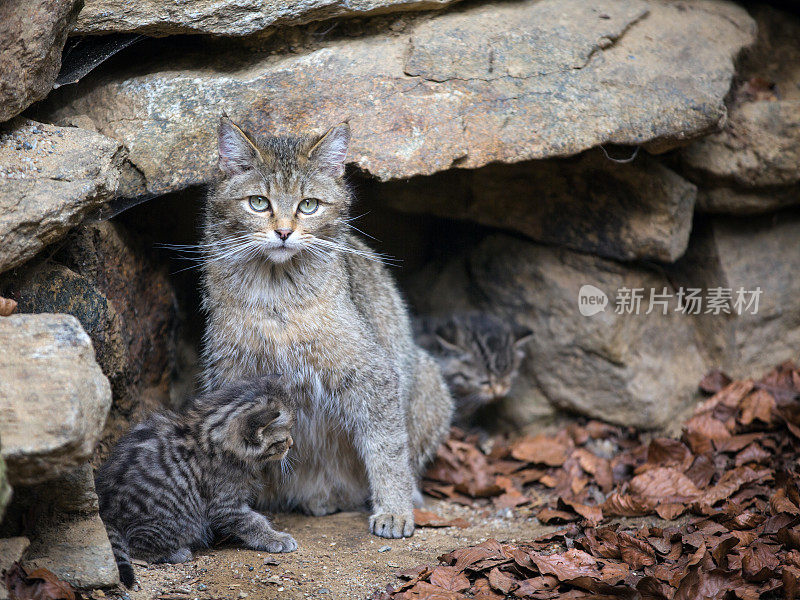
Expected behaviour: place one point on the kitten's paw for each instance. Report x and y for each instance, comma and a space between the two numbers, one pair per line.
392, 525
281, 542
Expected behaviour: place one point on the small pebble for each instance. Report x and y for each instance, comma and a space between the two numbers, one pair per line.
323, 591
202, 586
384, 548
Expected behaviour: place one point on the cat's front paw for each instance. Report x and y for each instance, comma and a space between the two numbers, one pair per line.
392, 525
280, 542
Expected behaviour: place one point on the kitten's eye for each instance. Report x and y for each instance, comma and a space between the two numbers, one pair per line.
308, 206
259, 203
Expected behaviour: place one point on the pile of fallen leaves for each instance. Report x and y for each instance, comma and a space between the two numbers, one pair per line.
40, 584
733, 475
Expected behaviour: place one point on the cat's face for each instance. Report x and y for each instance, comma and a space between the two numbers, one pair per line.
481, 356
278, 197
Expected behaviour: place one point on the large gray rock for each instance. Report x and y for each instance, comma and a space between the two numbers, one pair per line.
632, 369
640, 210
67, 537
32, 35
122, 296
226, 17
50, 178
54, 396
748, 253
562, 76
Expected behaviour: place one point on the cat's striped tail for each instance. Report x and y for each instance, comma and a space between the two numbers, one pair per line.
119, 545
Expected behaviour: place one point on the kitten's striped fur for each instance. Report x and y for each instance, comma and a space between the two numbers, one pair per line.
479, 355
177, 480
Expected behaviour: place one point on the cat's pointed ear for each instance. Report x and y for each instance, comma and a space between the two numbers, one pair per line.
258, 420
237, 153
522, 335
330, 151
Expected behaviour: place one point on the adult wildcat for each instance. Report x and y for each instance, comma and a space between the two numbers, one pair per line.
287, 288
175, 480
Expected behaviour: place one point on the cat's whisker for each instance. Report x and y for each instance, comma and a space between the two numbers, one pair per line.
368, 255
354, 228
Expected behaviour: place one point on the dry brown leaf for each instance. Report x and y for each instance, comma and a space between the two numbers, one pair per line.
779, 503
664, 484
502, 582
597, 466
759, 405
627, 505
449, 578
635, 552
426, 591
548, 515
426, 518
568, 566
714, 381
541, 449
39, 584
481, 590
791, 582
592, 514
666, 452
759, 562
670, 510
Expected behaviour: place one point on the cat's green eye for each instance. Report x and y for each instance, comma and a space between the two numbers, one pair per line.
308, 206
259, 203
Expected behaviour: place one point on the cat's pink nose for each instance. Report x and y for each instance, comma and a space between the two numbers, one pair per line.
283, 233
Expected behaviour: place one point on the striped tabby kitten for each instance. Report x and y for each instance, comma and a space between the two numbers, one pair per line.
479, 355
288, 288
176, 480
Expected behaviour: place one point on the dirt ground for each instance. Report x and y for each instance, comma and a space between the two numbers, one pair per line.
337, 558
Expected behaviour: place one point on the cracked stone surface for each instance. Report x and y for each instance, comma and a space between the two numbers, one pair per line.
556, 78
226, 17
32, 35
51, 385
50, 178
641, 210
753, 164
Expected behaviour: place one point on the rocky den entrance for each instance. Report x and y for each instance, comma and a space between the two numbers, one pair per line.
621, 178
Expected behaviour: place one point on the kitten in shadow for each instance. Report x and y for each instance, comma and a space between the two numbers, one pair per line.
479, 355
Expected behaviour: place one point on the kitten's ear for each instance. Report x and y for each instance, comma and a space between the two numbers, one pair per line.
330, 151
237, 153
257, 421
522, 335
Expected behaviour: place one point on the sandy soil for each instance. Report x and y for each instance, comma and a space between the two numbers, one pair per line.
337, 558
